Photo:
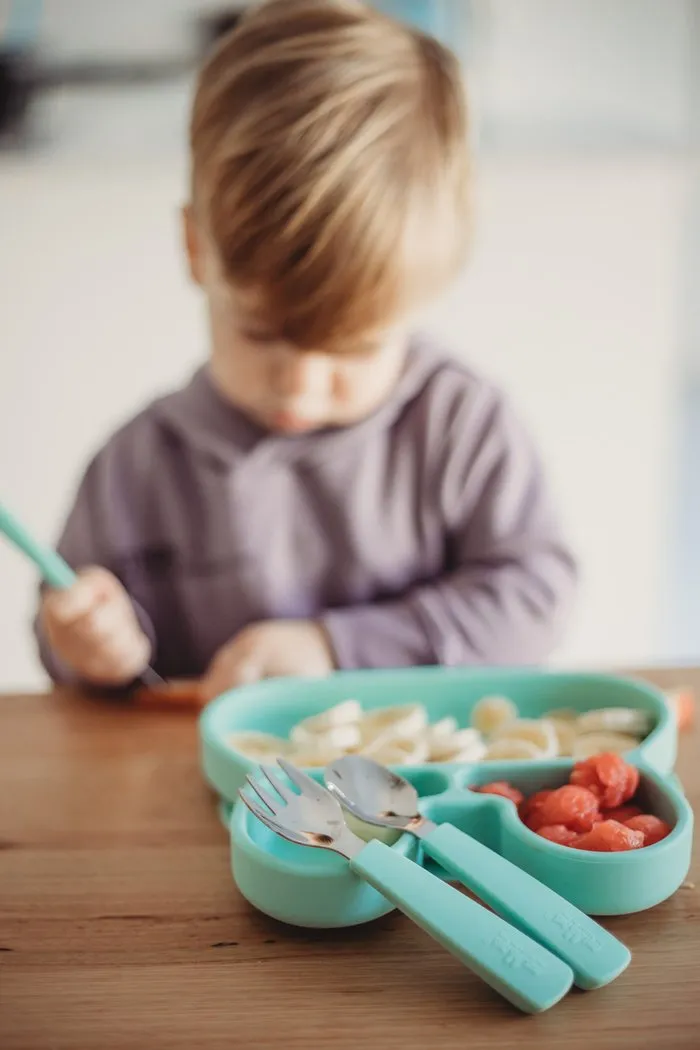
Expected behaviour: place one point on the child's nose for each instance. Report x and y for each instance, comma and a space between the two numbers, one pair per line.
302, 374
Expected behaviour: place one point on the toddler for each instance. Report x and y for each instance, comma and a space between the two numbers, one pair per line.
330, 490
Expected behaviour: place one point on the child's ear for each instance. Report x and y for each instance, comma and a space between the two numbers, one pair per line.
193, 244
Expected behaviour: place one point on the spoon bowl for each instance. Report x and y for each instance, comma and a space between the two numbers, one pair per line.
372, 792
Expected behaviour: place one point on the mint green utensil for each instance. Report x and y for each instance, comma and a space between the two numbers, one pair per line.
51, 565
54, 570
377, 796
520, 969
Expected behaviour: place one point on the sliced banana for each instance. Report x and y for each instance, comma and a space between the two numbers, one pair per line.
510, 747
562, 714
595, 743
261, 746
614, 720
400, 722
349, 712
316, 754
312, 758
472, 752
338, 738
565, 731
402, 735
399, 751
538, 731
444, 748
443, 727
491, 713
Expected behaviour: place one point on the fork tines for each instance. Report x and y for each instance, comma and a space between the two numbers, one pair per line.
263, 794
255, 808
284, 794
306, 784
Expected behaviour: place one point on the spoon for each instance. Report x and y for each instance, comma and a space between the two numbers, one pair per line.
516, 966
376, 795
54, 570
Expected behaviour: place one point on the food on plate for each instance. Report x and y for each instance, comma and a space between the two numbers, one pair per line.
397, 751
347, 713
340, 738
402, 720
261, 746
512, 749
623, 813
562, 714
653, 828
594, 743
537, 731
461, 745
612, 780
628, 720
575, 807
578, 814
609, 836
491, 713
402, 734
503, 789
558, 833
565, 734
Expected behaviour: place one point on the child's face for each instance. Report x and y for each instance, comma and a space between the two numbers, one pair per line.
280, 387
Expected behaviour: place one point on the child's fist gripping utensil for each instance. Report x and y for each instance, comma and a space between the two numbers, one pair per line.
93, 628
89, 614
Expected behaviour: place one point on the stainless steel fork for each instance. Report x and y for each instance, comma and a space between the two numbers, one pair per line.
522, 971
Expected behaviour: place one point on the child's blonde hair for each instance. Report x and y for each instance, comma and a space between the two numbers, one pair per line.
329, 163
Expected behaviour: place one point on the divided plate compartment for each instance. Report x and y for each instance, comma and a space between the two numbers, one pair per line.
308, 887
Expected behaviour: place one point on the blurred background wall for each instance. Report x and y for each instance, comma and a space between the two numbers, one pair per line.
581, 296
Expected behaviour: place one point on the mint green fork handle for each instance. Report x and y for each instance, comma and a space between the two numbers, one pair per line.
51, 565
522, 971
595, 956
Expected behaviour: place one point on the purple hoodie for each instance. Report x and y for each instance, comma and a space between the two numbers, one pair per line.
422, 535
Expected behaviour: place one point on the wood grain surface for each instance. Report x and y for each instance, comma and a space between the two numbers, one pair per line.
121, 928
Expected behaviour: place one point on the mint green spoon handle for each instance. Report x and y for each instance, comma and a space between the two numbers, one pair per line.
595, 956
54, 570
520, 969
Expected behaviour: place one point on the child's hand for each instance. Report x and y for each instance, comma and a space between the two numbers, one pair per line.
93, 628
272, 649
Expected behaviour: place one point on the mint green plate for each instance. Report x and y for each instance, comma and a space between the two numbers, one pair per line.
314, 888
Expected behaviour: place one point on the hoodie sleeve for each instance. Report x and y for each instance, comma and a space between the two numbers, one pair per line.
87, 540
509, 580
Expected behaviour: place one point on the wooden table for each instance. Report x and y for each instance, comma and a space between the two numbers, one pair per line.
121, 929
